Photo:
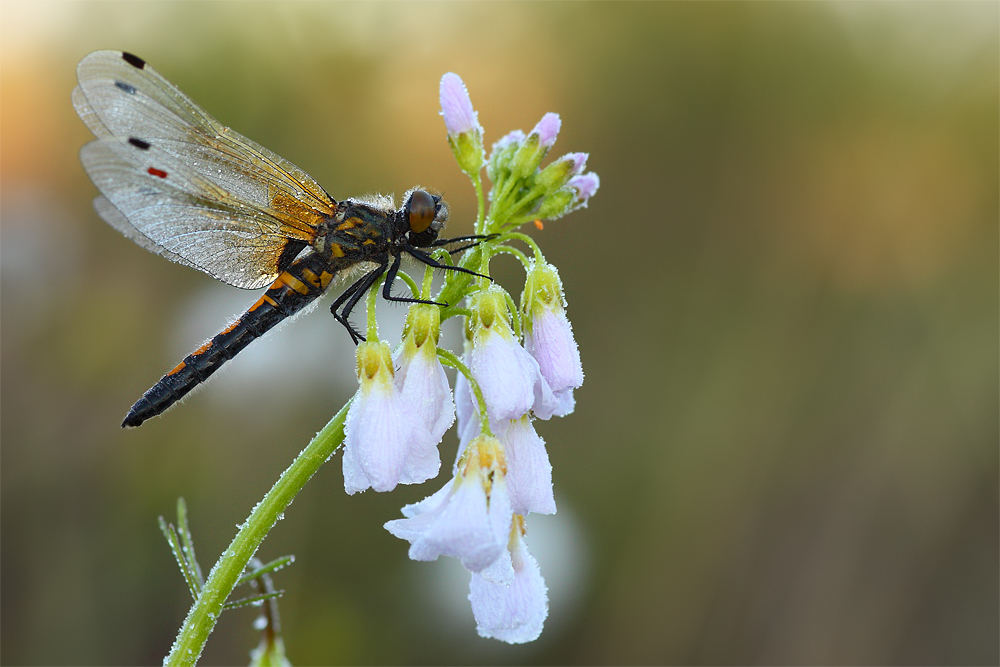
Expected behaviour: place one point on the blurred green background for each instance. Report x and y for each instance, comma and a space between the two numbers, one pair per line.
785, 294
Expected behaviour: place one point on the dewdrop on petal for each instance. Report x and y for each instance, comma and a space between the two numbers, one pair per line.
529, 473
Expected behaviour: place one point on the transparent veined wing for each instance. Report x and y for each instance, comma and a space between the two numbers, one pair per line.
209, 197
218, 234
117, 219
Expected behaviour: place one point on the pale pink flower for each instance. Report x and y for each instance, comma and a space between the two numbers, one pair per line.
420, 377
529, 472
469, 518
383, 443
550, 341
513, 612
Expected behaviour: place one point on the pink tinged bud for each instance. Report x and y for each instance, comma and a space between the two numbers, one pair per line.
529, 473
547, 129
456, 107
579, 162
560, 171
515, 612
511, 139
586, 185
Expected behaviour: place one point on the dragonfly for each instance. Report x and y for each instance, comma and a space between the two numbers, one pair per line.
182, 185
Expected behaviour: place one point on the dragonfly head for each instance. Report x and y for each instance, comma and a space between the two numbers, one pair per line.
425, 215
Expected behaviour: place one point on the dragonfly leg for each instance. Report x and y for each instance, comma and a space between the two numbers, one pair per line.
478, 238
350, 297
387, 287
422, 256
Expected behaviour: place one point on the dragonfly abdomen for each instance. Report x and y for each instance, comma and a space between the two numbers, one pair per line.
294, 289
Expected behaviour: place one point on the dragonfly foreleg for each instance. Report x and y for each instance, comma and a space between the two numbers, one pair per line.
350, 297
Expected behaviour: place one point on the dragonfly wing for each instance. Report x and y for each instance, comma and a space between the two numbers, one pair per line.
180, 213
117, 219
205, 194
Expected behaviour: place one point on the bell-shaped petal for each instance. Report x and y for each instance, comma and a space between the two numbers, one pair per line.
529, 473
550, 341
505, 372
469, 519
383, 443
420, 377
515, 612
548, 337
468, 412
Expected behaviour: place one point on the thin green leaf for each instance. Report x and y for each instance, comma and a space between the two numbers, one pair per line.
175, 547
243, 602
188, 542
275, 564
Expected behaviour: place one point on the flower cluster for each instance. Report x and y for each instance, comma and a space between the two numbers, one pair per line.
520, 363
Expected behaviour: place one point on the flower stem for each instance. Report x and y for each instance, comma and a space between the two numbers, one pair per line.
480, 202
222, 579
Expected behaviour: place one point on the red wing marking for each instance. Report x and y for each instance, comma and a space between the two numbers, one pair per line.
157, 172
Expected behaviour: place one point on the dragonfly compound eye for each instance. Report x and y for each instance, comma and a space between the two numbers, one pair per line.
420, 211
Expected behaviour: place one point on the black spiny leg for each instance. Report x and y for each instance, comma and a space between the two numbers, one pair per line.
351, 296
430, 261
478, 238
387, 287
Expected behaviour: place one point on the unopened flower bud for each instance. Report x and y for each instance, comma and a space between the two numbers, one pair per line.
535, 147
559, 172
465, 134
502, 154
557, 204
586, 186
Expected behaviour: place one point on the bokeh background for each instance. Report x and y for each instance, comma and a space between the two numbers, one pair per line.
785, 294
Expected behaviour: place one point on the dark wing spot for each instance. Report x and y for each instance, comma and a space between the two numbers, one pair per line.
139, 143
157, 172
133, 60
128, 88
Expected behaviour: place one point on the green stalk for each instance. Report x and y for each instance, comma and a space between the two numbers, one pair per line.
222, 579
